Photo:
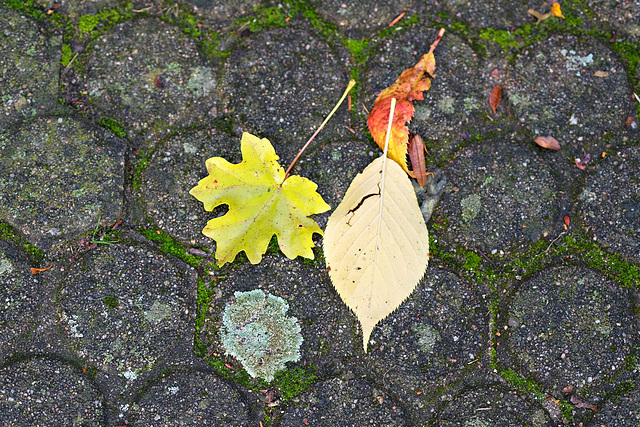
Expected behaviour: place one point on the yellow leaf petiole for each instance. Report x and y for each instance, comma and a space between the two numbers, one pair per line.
351, 84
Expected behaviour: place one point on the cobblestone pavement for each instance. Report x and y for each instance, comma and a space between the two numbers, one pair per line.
527, 314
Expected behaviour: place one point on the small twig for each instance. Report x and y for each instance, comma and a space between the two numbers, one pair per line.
70, 62
554, 240
437, 40
484, 256
344, 95
141, 10
395, 21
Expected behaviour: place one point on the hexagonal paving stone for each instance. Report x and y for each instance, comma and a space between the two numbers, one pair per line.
571, 326
498, 14
501, 196
148, 74
454, 104
191, 398
222, 13
280, 84
347, 403
20, 299
611, 201
623, 16
29, 82
493, 406
363, 19
432, 340
572, 89
43, 391
623, 411
127, 310
58, 178
176, 168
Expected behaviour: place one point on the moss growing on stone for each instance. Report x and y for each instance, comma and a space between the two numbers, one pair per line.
257, 332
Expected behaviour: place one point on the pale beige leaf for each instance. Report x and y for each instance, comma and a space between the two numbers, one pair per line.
376, 252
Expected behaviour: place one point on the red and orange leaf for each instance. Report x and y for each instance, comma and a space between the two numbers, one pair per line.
494, 98
417, 149
406, 89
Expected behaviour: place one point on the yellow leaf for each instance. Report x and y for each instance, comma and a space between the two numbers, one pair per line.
376, 244
261, 203
556, 11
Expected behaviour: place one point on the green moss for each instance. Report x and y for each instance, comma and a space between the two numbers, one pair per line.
143, 163
523, 384
114, 126
111, 302
9, 235
566, 409
67, 55
87, 23
293, 381
170, 246
357, 49
472, 261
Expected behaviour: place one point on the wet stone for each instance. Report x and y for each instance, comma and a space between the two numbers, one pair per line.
621, 412
496, 208
347, 403
363, 19
571, 326
572, 89
434, 339
30, 64
493, 406
222, 13
58, 178
48, 392
611, 201
504, 14
456, 101
127, 310
191, 398
280, 84
20, 299
623, 16
175, 168
147, 74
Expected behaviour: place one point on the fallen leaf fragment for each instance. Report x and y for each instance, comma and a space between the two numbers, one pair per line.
568, 389
261, 203
416, 155
580, 404
601, 73
35, 271
539, 16
376, 243
629, 120
556, 10
567, 221
582, 163
494, 98
406, 89
547, 142
495, 73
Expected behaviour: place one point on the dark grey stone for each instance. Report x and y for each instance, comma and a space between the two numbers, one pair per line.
48, 392
191, 399
30, 67
344, 403
493, 406
610, 201
494, 207
281, 84
127, 311
59, 177
148, 75
571, 326
175, 168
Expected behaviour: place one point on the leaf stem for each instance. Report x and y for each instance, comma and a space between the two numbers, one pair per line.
384, 167
352, 83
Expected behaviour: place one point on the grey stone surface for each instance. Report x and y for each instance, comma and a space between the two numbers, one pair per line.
59, 177
285, 93
174, 169
191, 398
30, 67
571, 326
45, 391
21, 295
127, 310
148, 75
223, 13
499, 14
340, 402
610, 201
495, 208
493, 406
